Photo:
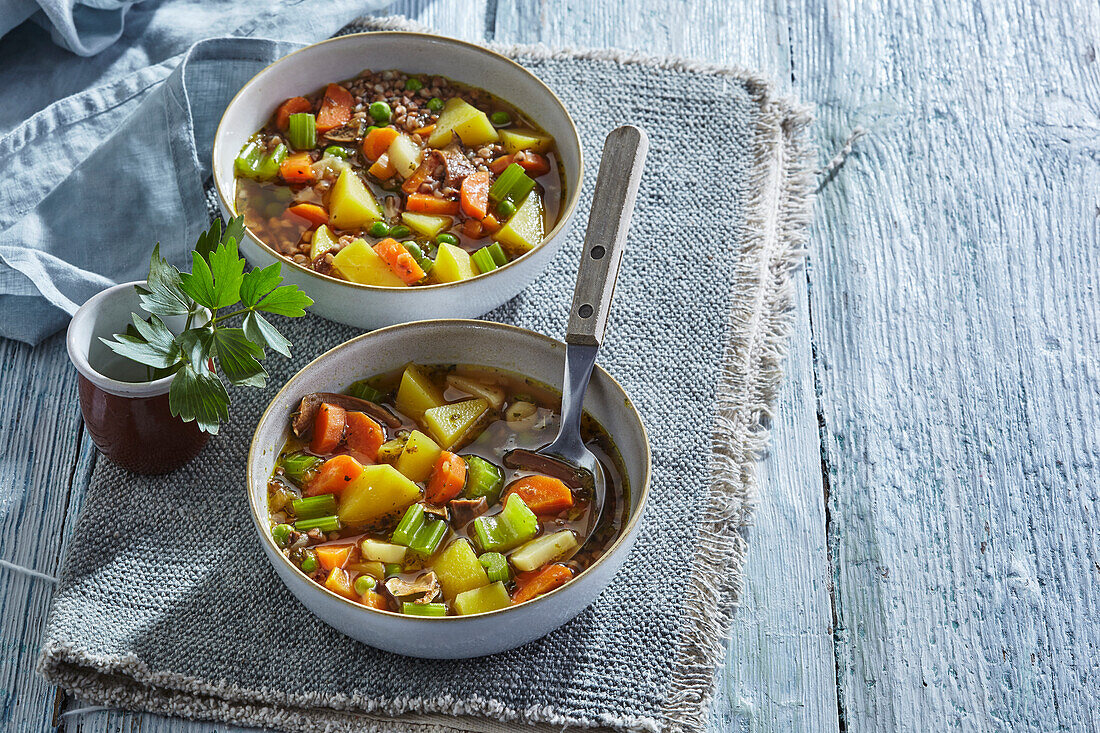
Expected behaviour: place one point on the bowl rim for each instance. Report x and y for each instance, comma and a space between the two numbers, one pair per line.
564, 218
261, 522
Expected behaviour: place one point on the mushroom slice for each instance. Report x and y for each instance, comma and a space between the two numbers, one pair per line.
572, 476
457, 164
343, 134
465, 511
307, 411
437, 511
425, 588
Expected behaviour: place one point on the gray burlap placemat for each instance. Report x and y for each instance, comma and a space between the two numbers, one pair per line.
166, 603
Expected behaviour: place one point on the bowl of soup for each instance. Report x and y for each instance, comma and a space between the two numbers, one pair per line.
399, 176
381, 493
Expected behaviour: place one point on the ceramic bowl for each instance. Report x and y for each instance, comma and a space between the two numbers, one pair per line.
442, 342
304, 71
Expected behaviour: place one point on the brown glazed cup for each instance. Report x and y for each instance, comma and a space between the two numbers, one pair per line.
128, 418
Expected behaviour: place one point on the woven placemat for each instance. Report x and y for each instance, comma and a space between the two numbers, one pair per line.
167, 604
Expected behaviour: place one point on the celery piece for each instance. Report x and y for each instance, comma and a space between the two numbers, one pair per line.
483, 479
312, 507
511, 528
409, 525
302, 132
497, 253
269, 166
364, 391
483, 261
299, 466
249, 158
423, 609
496, 567
513, 185
428, 537
325, 524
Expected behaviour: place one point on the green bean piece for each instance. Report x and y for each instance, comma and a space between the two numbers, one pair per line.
496, 567
380, 112
435, 104
364, 583
281, 534
447, 238
414, 84
379, 229
325, 524
506, 208
313, 507
423, 609
400, 231
310, 563
500, 118
364, 391
337, 152
299, 466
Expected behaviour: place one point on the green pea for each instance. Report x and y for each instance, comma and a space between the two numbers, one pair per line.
380, 111
364, 583
414, 84
393, 568
506, 208
446, 238
379, 229
281, 534
501, 118
370, 129
310, 564
400, 231
336, 151
435, 104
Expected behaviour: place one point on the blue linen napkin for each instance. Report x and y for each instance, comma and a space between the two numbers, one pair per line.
110, 152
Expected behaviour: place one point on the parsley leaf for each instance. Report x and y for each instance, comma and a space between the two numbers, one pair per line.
164, 295
153, 345
286, 300
199, 283
258, 283
238, 358
227, 269
199, 395
260, 331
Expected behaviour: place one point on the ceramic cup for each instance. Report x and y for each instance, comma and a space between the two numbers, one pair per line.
128, 419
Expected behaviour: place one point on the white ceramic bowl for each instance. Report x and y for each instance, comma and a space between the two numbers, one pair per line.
306, 70
443, 342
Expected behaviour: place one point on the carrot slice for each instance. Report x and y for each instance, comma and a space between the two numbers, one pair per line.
490, 224
412, 183
498, 165
544, 495
473, 229
402, 263
339, 582
292, 106
328, 428
364, 435
475, 194
377, 141
335, 108
333, 476
312, 213
535, 164
333, 556
426, 130
297, 168
374, 599
425, 203
382, 169
546, 580
447, 480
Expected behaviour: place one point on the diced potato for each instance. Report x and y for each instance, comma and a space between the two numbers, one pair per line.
427, 224
492, 394
419, 457
382, 552
482, 600
471, 124
525, 230
517, 140
458, 570
449, 423
452, 264
404, 155
373, 568
359, 263
379, 491
351, 204
323, 240
416, 393
542, 550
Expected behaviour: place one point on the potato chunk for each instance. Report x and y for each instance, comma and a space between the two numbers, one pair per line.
416, 393
361, 264
452, 264
379, 491
470, 124
458, 570
419, 456
525, 230
482, 600
351, 204
404, 155
449, 423
519, 139
427, 224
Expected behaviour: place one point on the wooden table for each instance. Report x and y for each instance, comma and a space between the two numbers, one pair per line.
926, 552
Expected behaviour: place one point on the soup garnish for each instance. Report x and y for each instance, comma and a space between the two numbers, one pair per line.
395, 495
399, 180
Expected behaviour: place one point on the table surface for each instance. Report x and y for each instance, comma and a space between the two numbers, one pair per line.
926, 549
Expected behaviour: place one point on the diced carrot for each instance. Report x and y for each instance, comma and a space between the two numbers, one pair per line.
425, 203
402, 263
335, 108
364, 435
475, 194
544, 495
377, 141
312, 213
374, 599
334, 474
490, 224
426, 130
498, 165
412, 183
447, 480
546, 580
292, 106
536, 165
339, 582
382, 169
328, 428
333, 556
473, 229
297, 168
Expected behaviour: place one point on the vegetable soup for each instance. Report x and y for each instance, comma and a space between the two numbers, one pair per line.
399, 180
396, 495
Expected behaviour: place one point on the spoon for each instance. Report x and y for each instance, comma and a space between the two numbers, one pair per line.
566, 457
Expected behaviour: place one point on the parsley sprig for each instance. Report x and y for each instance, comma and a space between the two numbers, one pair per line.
216, 294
